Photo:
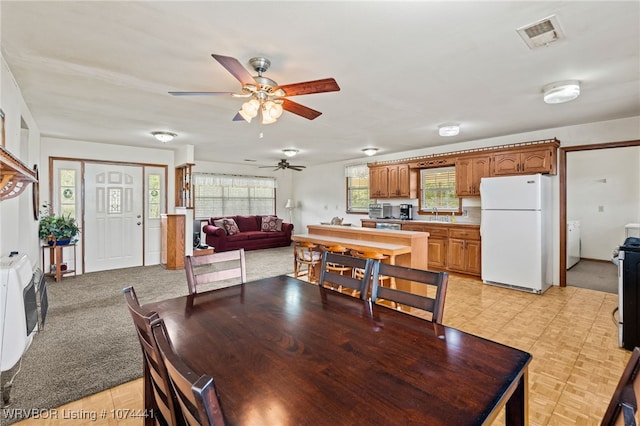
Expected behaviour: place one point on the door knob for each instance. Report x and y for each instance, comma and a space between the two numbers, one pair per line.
139, 223
139, 216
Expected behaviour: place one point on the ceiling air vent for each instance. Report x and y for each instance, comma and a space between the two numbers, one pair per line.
542, 32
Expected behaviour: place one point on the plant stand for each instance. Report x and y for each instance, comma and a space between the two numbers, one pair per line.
56, 260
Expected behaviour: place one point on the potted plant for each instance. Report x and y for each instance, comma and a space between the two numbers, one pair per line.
58, 230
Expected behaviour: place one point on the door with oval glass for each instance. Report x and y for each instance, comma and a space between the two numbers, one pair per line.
113, 224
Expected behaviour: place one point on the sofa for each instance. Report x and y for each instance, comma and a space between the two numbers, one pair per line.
247, 232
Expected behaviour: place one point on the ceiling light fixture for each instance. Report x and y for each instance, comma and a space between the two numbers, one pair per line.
164, 137
290, 152
370, 151
561, 92
448, 129
271, 110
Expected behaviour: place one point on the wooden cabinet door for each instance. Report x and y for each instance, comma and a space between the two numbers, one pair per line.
474, 261
379, 182
437, 253
480, 167
507, 163
536, 161
404, 182
394, 181
455, 255
368, 223
464, 177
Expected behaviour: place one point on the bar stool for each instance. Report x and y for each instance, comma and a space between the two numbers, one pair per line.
339, 269
382, 279
309, 254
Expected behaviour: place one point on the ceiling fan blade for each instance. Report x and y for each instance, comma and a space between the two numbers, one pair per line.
300, 110
238, 117
201, 93
235, 67
296, 168
309, 87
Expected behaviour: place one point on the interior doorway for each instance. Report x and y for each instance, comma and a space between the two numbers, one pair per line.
588, 197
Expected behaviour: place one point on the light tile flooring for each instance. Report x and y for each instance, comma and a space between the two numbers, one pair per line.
569, 331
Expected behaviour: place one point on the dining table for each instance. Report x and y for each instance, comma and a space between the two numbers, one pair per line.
283, 351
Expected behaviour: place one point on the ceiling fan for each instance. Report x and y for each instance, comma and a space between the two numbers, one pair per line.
266, 95
284, 164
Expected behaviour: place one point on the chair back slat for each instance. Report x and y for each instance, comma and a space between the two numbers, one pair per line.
198, 273
158, 394
328, 276
197, 394
437, 280
623, 407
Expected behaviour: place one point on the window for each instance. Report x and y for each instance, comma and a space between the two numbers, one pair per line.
222, 195
357, 188
438, 190
68, 192
153, 196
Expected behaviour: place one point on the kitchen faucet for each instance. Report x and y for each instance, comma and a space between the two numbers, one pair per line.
435, 210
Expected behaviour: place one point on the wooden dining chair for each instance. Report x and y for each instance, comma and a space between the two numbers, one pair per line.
158, 396
306, 255
215, 267
331, 279
429, 283
196, 394
623, 407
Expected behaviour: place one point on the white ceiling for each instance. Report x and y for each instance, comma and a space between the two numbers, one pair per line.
100, 71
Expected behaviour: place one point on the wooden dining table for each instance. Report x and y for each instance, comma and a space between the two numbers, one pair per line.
279, 355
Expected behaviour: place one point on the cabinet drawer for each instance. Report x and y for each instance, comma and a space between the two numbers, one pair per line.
465, 234
436, 231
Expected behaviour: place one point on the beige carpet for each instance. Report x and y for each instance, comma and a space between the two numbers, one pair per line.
89, 344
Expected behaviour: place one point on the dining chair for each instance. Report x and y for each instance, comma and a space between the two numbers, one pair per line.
158, 396
330, 278
623, 407
429, 283
196, 394
216, 267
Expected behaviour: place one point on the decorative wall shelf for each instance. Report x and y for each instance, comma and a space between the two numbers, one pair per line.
15, 176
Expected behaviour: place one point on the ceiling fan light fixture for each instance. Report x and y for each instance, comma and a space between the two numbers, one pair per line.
164, 137
244, 115
251, 107
290, 152
448, 129
561, 92
370, 151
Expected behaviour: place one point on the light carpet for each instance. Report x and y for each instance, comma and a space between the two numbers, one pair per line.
89, 344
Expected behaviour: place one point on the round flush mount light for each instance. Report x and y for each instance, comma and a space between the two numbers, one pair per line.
164, 137
448, 129
290, 152
370, 151
561, 92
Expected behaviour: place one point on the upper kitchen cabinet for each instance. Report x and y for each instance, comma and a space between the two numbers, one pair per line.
525, 161
392, 181
469, 171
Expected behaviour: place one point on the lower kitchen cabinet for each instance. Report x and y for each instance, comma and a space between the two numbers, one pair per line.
464, 251
437, 243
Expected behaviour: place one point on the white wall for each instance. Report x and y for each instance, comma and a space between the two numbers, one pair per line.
324, 185
18, 228
603, 193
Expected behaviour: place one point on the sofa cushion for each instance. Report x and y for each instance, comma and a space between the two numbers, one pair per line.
240, 236
230, 226
258, 235
271, 224
247, 223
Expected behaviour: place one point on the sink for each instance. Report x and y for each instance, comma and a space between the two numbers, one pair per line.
445, 219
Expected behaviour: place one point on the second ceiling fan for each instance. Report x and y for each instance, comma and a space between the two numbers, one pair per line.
266, 95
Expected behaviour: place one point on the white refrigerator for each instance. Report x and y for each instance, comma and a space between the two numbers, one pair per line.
515, 229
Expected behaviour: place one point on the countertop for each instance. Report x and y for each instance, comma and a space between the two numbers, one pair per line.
458, 222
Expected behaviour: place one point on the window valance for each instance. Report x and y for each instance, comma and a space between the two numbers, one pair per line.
237, 181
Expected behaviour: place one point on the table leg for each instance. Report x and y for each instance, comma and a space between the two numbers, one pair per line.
516, 412
58, 260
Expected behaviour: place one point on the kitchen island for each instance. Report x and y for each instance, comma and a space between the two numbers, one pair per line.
406, 248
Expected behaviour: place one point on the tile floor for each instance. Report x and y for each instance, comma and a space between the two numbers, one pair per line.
569, 331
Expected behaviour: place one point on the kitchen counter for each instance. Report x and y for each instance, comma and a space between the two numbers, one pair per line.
423, 222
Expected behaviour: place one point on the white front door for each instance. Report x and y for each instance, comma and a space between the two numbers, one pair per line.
113, 224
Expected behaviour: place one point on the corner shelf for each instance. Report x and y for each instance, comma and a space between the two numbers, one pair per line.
15, 176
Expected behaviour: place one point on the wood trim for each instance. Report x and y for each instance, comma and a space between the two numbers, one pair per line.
563, 194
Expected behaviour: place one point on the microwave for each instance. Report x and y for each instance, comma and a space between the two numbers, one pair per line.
379, 211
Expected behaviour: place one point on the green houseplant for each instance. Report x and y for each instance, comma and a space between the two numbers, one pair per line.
54, 229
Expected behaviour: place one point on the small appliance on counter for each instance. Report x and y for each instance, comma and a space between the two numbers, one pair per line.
379, 211
406, 212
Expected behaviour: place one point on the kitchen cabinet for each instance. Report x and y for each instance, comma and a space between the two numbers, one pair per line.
530, 161
172, 231
391, 181
368, 223
437, 243
469, 171
379, 182
463, 253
